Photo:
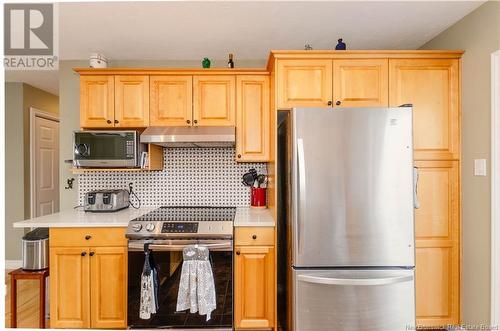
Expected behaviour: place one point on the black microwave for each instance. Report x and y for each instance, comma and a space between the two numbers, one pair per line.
106, 149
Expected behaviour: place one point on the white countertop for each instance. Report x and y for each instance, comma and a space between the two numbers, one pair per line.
247, 216
77, 218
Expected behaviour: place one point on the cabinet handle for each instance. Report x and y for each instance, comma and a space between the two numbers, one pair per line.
195, 121
108, 121
116, 122
237, 252
239, 156
338, 103
91, 253
330, 103
87, 237
254, 237
83, 253
188, 121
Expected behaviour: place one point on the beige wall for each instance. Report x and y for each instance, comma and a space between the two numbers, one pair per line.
19, 98
479, 35
69, 103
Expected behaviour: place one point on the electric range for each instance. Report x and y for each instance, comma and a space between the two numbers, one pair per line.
183, 222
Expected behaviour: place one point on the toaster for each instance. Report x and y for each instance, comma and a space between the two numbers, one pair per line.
106, 200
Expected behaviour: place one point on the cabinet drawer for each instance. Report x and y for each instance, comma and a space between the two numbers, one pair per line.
87, 237
254, 236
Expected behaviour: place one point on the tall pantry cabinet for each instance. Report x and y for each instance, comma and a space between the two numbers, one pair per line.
430, 81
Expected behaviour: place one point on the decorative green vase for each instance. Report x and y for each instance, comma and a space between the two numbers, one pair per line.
205, 63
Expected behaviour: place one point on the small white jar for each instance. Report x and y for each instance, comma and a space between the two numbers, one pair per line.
98, 61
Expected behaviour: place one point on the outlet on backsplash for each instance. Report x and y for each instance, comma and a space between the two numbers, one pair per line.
190, 177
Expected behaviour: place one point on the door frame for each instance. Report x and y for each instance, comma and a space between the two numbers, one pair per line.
34, 113
495, 188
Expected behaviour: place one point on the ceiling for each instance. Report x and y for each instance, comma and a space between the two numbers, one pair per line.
187, 30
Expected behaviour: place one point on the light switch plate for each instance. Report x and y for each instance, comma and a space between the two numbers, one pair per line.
480, 167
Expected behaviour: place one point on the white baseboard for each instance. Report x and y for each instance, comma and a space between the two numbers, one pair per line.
13, 264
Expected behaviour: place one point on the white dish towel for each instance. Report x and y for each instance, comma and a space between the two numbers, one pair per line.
196, 288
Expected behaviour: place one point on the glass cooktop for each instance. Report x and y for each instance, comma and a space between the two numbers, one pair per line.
187, 214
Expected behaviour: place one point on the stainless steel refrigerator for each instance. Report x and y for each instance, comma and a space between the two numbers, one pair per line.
346, 213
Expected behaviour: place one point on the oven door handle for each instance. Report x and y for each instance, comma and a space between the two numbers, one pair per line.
139, 246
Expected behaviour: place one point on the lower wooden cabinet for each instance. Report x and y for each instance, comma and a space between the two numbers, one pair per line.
88, 284
254, 287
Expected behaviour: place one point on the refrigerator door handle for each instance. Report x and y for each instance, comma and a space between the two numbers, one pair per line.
354, 281
416, 203
301, 192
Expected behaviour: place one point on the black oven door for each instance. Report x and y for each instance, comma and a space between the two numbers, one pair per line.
167, 255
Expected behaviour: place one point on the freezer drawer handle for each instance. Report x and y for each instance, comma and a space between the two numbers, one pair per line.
355, 282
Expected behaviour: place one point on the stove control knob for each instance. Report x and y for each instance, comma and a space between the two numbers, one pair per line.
136, 227
150, 227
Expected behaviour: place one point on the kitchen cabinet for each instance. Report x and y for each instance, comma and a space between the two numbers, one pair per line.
437, 233
108, 101
214, 100
131, 101
432, 86
254, 287
361, 83
97, 101
252, 119
88, 283
171, 101
304, 83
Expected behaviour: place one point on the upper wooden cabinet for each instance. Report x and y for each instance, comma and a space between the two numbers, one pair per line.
131, 101
214, 100
97, 101
108, 101
361, 83
432, 86
171, 101
252, 119
304, 83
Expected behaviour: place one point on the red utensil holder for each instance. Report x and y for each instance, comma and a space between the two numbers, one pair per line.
258, 197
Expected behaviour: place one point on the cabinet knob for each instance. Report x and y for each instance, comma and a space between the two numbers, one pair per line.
254, 237
87, 237
83, 253
239, 156
108, 121
195, 121
188, 121
237, 252
116, 122
330, 103
338, 103
91, 253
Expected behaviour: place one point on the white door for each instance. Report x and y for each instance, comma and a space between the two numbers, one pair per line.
46, 167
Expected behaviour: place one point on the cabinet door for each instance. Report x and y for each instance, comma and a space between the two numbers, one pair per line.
254, 287
97, 101
171, 100
131, 101
252, 118
361, 83
437, 231
432, 86
214, 100
304, 83
108, 276
69, 287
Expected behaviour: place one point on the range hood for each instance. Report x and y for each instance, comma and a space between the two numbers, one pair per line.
190, 136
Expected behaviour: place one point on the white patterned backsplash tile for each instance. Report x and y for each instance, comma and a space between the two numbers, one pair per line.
190, 177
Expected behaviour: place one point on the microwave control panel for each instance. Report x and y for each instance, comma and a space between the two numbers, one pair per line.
178, 227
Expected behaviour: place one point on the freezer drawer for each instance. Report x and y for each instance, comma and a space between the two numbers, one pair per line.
354, 300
